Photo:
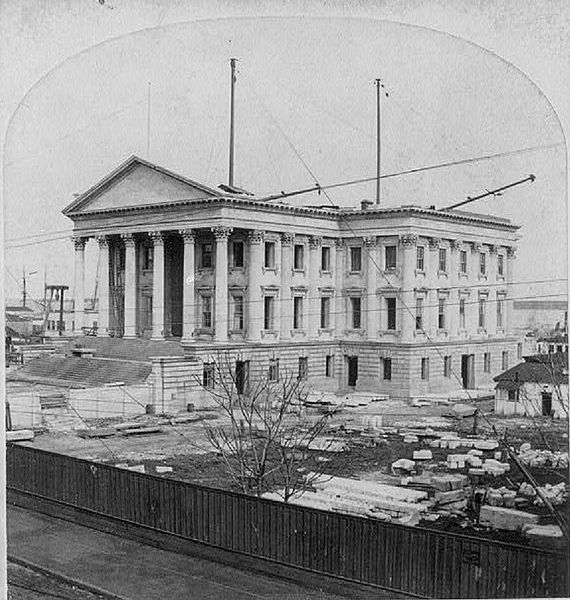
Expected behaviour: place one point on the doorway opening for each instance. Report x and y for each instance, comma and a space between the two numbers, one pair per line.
352, 370
468, 371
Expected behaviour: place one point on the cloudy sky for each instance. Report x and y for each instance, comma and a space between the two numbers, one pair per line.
465, 82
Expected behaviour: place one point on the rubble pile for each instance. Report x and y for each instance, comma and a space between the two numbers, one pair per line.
555, 494
542, 458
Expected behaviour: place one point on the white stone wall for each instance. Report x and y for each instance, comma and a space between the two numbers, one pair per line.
530, 401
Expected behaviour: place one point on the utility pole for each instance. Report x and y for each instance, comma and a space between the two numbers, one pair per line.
232, 115
24, 295
379, 91
148, 122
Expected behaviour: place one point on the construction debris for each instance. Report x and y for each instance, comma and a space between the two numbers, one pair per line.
542, 458
163, 469
21, 435
506, 518
96, 432
404, 463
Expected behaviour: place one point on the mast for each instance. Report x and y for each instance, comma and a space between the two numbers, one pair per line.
232, 115
378, 149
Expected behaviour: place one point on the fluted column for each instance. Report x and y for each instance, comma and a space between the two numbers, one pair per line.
339, 312
255, 304
103, 288
408, 243
511, 253
157, 285
313, 288
130, 312
372, 313
286, 273
79, 284
221, 235
189, 291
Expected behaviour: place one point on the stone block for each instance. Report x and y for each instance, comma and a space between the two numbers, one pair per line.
163, 469
404, 463
451, 496
476, 471
21, 435
422, 455
506, 518
486, 444
447, 483
475, 452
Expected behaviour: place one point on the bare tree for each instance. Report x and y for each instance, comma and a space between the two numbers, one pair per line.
265, 437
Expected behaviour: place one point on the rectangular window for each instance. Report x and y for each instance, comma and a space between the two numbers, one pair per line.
206, 310
463, 261
482, 310
208, 375
519, 350
273, 374
237, 248
148, 257
462, 313
419, 313
299, 257
387, 368
206, 256
513, 395
425, 368
238, 313
443, 260
329, 358
487, 362
505, 360
269, 255
441, 313
268, 311
391, 313
500, 265
447, 366
325, 259
325, 312
482, 263
303, 367
355, 305
420, 258
298, 312
355, 258
390, 258
500, 307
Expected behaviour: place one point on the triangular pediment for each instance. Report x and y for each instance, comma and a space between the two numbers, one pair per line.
138, 183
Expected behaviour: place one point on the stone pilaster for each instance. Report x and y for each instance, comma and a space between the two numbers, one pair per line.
130, 312
313, 291
339, 312
255, 302
104, 299
221, 323
511, 254
189, 291
157, 285
408, 243
79, 285
372, 312
452, 308
286, 274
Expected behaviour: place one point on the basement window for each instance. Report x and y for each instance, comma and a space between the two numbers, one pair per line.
208, 375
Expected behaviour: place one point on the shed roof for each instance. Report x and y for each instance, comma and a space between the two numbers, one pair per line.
540, 368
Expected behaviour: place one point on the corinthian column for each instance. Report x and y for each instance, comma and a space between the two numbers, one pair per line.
104, 303
314, 301
79, 287
254, 304
188, 293
339, 268
221, 234
408, 243
286, 301
130, 324
157, 286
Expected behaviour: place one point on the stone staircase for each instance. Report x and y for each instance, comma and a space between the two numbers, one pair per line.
81, 372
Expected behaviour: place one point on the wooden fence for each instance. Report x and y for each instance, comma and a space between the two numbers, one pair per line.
412, 560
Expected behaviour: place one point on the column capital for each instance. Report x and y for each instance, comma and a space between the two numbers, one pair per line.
102, 240
370, 241
128, 240
408, 239
157, 237
315, 242
340, 243
434, 243
255, 236
287, 238
511, 251
188, 235
493, 248
455, 244
79, 242
221, 233
476, 247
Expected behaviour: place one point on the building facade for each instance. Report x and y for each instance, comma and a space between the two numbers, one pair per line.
403, 301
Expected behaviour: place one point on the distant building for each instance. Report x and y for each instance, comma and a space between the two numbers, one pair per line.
405, 301
537, 386
539, 316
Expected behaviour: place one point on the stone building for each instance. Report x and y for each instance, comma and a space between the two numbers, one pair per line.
402, 301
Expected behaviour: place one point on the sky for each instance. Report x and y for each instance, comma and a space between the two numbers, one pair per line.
465, 79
